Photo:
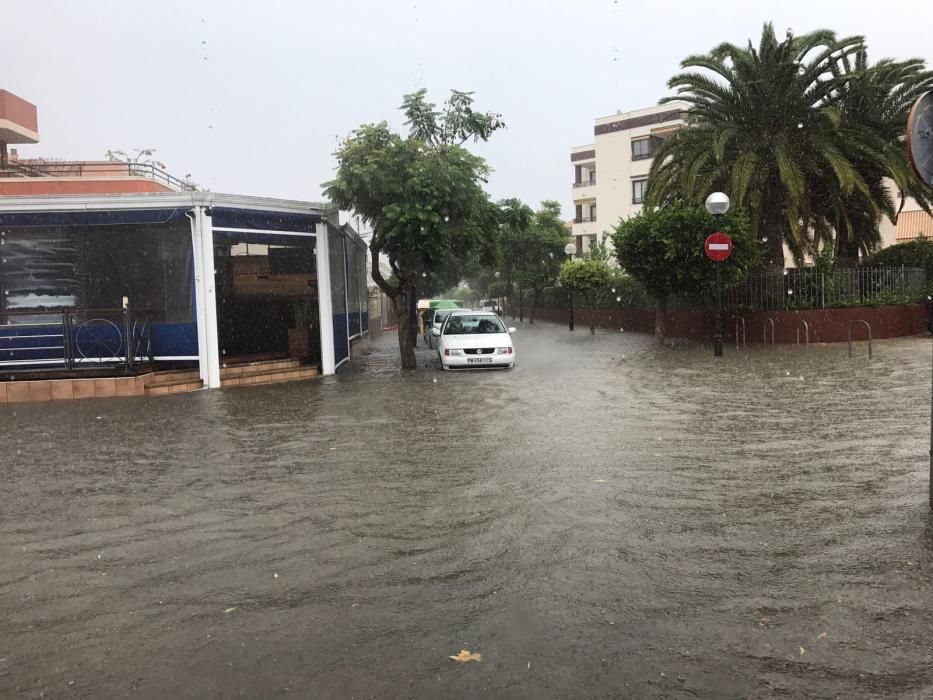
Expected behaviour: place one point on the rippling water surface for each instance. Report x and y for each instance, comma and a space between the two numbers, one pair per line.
609, 519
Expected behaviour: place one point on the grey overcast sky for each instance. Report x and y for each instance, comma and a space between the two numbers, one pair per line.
250, 96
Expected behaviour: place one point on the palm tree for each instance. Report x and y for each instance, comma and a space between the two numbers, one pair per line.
875, 99
762, 128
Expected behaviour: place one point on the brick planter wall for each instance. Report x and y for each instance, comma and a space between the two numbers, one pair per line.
826, 325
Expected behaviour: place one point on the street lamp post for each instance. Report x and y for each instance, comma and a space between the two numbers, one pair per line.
717, 204
570, 249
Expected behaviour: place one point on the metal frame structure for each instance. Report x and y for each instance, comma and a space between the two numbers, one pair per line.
198, 207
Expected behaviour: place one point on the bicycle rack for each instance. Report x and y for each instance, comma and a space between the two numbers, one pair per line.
806, 333
868, 326
737, 320
765, 328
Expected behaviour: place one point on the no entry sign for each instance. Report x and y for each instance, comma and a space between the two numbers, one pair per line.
718, 247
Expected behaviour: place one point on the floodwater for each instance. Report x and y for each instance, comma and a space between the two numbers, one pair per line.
609, 519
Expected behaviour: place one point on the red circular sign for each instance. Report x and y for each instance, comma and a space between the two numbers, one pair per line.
718, 247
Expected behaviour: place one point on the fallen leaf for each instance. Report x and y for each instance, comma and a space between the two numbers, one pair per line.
821, 636
464, 656
802, 651
230, 610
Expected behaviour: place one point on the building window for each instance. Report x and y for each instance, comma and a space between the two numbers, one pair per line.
592, 212
638, 191
645, 147
578, 214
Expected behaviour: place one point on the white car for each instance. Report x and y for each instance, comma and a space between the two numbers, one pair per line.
474, 339
437, 319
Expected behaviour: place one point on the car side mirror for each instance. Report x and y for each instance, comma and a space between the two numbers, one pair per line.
436, 332
512, 329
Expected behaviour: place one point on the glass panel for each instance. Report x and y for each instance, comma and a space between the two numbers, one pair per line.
267, 299
338, 291
97, 266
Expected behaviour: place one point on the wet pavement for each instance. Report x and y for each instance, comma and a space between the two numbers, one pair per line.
609, 519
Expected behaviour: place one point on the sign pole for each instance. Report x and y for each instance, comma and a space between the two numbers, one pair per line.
919, 137
718, 248
717, 339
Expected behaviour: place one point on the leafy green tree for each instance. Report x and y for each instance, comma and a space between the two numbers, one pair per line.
664, 250
422, 194
532, 249
515, 218
586, 277
544, 252
763, 129
916, 253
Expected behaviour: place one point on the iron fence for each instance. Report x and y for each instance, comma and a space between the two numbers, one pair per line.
809, 288
793, 288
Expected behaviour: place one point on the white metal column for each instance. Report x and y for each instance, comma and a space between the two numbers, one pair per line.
325, 307
208, 344
200, 317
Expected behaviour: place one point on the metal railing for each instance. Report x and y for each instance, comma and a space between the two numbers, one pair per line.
740, 320
765, 325
808, 288
153, 173
806, 333
584, 219
75, 338
585, 183
868, 327
82, 168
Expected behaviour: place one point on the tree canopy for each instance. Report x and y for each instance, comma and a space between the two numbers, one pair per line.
586, 277
664, 250
422, 194
799, 132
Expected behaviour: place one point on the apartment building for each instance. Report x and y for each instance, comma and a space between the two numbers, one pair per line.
611, 174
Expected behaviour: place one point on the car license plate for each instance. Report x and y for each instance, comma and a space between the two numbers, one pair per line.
479, 360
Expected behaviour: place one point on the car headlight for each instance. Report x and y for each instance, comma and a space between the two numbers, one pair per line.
503, 351
453, 351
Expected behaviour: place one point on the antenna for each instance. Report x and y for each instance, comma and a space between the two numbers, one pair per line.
920, 138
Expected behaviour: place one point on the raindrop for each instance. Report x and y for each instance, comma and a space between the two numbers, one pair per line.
618, 298
799, 125
446, 218
613, 290
764, 240
790, 292
785, 273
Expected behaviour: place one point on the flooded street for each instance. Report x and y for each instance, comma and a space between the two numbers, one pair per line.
609, 519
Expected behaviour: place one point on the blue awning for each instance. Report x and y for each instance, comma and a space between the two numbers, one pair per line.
109, 217
264, 220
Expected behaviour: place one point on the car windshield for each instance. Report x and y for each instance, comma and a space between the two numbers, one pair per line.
439, 317
473, 325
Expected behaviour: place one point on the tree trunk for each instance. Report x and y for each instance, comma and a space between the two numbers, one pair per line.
406, 345
846, 251
521, 305
413, 315
772, 233
660, 316
534, 307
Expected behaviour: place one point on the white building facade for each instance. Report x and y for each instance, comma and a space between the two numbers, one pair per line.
611, 174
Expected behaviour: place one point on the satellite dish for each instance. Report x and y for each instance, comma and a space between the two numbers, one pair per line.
920, 138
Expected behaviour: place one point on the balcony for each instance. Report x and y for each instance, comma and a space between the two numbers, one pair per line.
584, 220
585, 183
